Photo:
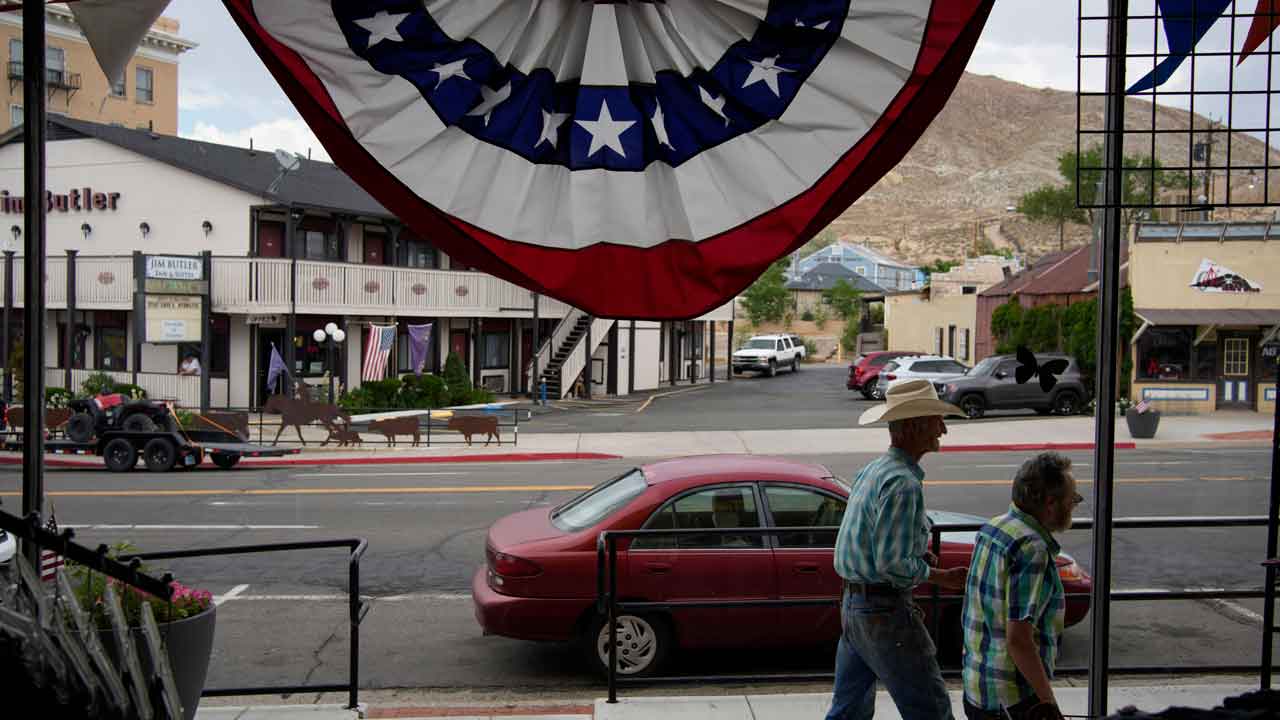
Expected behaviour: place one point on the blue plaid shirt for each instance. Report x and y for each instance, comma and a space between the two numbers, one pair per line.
1013, 576
885, 531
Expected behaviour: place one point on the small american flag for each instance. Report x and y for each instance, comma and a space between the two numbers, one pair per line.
381, 339
49, 560
1141, 407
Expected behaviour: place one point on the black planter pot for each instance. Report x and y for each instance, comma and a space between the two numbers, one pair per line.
189, 643
1142, 426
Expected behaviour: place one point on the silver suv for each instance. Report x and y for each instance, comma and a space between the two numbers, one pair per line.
938, 368
992, 385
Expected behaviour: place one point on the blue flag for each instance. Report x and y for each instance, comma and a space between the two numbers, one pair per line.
275, 369
1185, 22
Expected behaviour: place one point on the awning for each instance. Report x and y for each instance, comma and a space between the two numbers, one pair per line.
1232, 316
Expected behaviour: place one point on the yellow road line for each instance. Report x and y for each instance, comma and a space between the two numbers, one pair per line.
1224, 478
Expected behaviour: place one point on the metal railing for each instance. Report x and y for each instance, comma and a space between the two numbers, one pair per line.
357, 609
607, 602
53, 77
434, 428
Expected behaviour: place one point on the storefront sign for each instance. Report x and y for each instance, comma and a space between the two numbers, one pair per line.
1212, 277
173, 318
77, 199
174, 267
1193, 394
264, 320
179, 287
1271, 350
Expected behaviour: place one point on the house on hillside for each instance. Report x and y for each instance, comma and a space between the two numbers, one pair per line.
806, 290
942, 318
880, 269
1060, 278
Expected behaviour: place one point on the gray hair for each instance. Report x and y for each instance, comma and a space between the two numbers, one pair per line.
1040, 478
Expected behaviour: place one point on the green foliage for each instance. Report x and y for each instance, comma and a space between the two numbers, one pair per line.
807, 316
821, 316
843, 299
877, 314
849, 338
1052, 204
939, 266
90, 588
373, 395
133, 392
56, 397
1006, 325
810, 349
98, 383
767, 298
456, 380
423, 391
741, 334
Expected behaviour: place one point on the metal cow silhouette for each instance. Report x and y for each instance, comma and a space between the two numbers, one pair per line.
391, 427
303, 412
470, 425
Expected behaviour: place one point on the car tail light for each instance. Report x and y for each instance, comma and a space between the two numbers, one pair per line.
510, 566
889, 376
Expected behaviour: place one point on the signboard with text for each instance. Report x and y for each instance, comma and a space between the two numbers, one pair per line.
173, 318
174, 267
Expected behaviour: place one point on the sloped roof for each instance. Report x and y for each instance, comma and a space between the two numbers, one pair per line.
879, 257
1057, 273
824, 276
313, 184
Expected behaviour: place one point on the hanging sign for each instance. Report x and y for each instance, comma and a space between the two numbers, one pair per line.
174, 267
173, 318
1215, 278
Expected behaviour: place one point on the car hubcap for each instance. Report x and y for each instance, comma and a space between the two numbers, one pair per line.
637, 645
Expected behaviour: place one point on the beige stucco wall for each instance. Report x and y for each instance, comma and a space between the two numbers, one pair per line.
911, 321
1161, 274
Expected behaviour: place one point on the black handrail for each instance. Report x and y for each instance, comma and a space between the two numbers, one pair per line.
357, 608
608, 604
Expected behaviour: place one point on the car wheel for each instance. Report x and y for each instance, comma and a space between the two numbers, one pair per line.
138, 422
867, 394
1066, 403
80, 427
773, 368
973, 406
160, 455
644, 641
120, 455
1043, 411
795, 365
225, 460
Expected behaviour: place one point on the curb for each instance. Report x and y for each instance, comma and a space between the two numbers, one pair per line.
1018, 447
503, 711
383, 460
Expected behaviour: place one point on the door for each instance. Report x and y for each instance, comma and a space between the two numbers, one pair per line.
804, 561
1235, 375
460, 343
1004, 391
724, 567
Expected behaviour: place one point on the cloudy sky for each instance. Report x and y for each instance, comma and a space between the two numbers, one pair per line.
1028, 41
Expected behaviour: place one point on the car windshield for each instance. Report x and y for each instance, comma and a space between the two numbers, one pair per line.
759, 344
599, 502
985, 367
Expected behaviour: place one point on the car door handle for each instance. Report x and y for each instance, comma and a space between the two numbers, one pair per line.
806, 568
658, 568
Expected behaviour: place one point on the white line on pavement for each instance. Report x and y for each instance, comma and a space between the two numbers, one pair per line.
1237, 611
194, 527
372, 473
230, 594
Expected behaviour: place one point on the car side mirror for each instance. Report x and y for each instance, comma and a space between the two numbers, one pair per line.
1000, 374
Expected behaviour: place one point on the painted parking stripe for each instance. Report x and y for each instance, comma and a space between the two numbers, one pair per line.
230, 594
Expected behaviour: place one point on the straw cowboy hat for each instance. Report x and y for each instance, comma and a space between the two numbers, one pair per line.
908, 399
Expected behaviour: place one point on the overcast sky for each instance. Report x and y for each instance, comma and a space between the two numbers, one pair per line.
1028, 41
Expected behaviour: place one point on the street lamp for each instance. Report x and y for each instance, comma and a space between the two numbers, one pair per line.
331, 335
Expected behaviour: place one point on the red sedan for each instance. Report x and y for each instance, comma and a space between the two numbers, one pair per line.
539, 579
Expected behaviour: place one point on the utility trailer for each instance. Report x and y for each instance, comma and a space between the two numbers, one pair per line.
160, 450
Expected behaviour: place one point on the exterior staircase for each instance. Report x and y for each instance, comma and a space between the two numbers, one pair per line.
562, 358
550, 372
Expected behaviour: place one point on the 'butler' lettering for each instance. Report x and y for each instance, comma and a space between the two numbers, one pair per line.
74, 200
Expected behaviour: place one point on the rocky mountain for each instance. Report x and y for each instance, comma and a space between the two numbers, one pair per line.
997, 140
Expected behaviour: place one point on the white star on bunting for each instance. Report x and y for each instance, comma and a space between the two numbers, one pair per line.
444, 71
818, 26
605, 131
715, 103
766, 71
551, 123
382, 26
489, 100
660, 127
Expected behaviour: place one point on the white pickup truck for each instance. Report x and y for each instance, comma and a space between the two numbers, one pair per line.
768, 353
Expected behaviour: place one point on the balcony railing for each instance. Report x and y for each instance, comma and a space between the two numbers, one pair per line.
53, 78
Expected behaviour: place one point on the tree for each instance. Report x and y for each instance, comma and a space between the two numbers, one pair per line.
1052, 204
939, 266
843, 299
767, 298
456, 380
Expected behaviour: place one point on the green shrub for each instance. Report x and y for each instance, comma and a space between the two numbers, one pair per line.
98, 383
820, 317
131, 391
479, 396
810, 349
423, 391
456, 380
56, 397
807, 316
849, 338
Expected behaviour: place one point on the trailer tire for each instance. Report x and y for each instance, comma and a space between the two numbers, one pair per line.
160, 454
138, 422
120, 455
225, 461
80, 427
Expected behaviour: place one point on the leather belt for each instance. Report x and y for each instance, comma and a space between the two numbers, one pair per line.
872, 589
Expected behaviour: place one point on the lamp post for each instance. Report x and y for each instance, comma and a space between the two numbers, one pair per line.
331, 335
10, 249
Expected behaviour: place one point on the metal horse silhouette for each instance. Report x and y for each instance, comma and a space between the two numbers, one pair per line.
298, 412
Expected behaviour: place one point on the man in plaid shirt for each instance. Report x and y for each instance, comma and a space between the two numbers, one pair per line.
882, 552
1014, 604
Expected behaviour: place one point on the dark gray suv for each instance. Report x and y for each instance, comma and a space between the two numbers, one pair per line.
991, 385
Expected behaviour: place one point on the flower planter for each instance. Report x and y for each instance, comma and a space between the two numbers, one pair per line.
1142, 426
189, 643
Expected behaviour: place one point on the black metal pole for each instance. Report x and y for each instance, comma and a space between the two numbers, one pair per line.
631, 358
69, 337
33, 106
332, 370
711, 365
353, 598
291, 324
8, 308
139, 308
612, 619
533, 372
728, 370
1273, 522
206, 330
586, 370
1108, 320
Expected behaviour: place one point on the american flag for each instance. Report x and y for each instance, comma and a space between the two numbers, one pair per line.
381, 339
49, 560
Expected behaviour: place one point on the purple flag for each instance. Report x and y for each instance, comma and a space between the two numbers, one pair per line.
419, 340
275, 369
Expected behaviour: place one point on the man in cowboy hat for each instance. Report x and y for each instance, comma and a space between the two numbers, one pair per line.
882, 552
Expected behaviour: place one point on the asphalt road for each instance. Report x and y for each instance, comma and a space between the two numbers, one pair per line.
284, 617
813, 397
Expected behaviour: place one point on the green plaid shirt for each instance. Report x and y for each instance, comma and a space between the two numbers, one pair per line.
885, 531
1013, 576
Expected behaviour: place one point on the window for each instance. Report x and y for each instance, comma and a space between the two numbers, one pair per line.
964, 344
119, 88
55, 62
416, 254
781, 346
861, 270
1164, 353
321, 246
950, 366
1007, 367
937, 341
801, 507
599, 502
82, 333
15, 115
219, 351
143, 87
1235, 356
15, 50
110, 340
1206, 354
495, 350
713, 508
969, 290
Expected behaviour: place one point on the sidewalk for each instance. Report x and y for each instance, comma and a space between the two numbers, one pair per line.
786, 706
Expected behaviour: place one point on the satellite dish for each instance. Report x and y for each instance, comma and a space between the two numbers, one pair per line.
288, 161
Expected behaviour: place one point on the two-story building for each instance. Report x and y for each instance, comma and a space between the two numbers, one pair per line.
880, 269
292, 250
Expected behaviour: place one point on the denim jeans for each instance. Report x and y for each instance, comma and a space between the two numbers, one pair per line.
885, 639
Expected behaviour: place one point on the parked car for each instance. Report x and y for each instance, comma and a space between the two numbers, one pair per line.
865, 369
8, 548
991, 385
539, 577
768, 353
937, 368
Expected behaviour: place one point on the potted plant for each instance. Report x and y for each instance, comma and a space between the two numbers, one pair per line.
186, 623
1142, 419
